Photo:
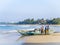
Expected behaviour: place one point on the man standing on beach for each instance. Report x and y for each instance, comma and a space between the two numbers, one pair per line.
47, 29
42, 29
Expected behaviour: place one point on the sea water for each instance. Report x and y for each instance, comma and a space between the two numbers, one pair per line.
10, 36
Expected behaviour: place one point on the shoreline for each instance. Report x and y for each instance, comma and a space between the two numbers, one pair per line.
30, 24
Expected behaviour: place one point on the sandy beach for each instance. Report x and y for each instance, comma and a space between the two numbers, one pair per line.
53, 38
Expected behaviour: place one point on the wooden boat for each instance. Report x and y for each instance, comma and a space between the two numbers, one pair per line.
32, 32
22, 32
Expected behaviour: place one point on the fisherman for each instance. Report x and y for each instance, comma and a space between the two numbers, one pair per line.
42, 29
47, 29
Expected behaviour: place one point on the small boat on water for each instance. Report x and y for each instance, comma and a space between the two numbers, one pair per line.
33, 32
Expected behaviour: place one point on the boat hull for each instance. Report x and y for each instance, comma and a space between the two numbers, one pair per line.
34, 33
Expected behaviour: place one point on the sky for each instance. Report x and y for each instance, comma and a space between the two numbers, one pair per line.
18, 10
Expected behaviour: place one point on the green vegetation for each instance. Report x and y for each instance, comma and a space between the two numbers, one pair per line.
40, 21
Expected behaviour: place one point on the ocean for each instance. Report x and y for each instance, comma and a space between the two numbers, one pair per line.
14, 28
10, 36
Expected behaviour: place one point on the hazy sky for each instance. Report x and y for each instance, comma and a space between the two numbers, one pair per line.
15, 10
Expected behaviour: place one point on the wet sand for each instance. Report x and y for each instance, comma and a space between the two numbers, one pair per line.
53, 39
41, 44
10, 39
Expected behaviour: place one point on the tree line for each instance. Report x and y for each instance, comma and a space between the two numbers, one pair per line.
40, 21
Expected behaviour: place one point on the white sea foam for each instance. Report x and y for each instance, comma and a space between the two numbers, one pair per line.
12, 31
24, 25
2, 25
